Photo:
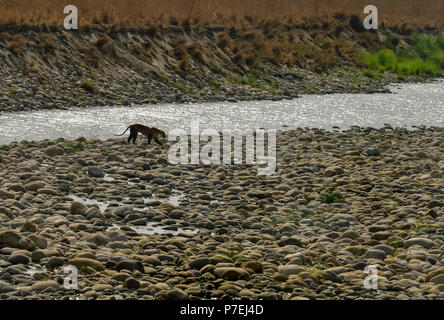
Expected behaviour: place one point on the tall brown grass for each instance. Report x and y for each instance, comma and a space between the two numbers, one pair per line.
216, 12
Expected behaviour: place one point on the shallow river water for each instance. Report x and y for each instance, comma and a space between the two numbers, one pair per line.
408, 105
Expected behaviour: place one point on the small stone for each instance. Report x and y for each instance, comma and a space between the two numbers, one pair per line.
99, 239
381, 235
258, 194
176, 294
114, 157
6, 212
434, 273
78, 208
29, 227
439, 279
280, 277
434, 203
375, 254
230, 273
290, 269
37, 255
256, 266
356, 250
387, 249
38, 240
350, 235
55, 262
198, 263
123, 211
373, 152
49, 191
95, 172
438, 289
102, 287
424, 242
306, 222
153, 261
12, 239
130, 265
53, 151
120, 276
35, 185
331, 276
5, 287
85, 262
332, 171
4, 194
18, 258
42, 285
132, 283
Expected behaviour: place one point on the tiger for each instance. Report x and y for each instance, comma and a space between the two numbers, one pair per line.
150, 133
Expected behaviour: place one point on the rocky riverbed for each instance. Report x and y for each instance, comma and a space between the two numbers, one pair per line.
137, 226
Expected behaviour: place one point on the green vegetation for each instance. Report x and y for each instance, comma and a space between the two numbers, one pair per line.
251, 80
75, 146
12, 91
232, 254
108, 151
396, 244
273, 84
331, 196
77, 170
214, 85
88, 86
316, 271
182, 87
4, 147
419, 225
26, 144
424, 58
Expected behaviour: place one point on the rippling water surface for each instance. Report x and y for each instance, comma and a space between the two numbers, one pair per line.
409, 105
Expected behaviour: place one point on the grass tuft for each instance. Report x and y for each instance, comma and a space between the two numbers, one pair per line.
331, 196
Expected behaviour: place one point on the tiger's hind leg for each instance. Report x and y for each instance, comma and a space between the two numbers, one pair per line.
135, 137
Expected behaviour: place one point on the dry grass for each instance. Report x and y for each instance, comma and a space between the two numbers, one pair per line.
17, 43
185, 13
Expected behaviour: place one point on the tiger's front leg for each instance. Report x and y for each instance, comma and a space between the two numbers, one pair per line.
158, 141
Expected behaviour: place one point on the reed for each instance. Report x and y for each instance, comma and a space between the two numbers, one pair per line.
217, 12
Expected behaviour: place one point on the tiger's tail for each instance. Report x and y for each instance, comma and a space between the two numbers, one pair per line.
123, 132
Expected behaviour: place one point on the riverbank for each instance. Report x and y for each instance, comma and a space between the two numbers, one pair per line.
339, 201
47, 67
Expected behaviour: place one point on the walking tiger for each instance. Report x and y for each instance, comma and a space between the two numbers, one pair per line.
150, 133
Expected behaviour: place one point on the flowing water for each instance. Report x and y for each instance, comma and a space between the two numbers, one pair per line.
408, 105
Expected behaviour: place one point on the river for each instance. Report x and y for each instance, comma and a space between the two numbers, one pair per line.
409, 105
